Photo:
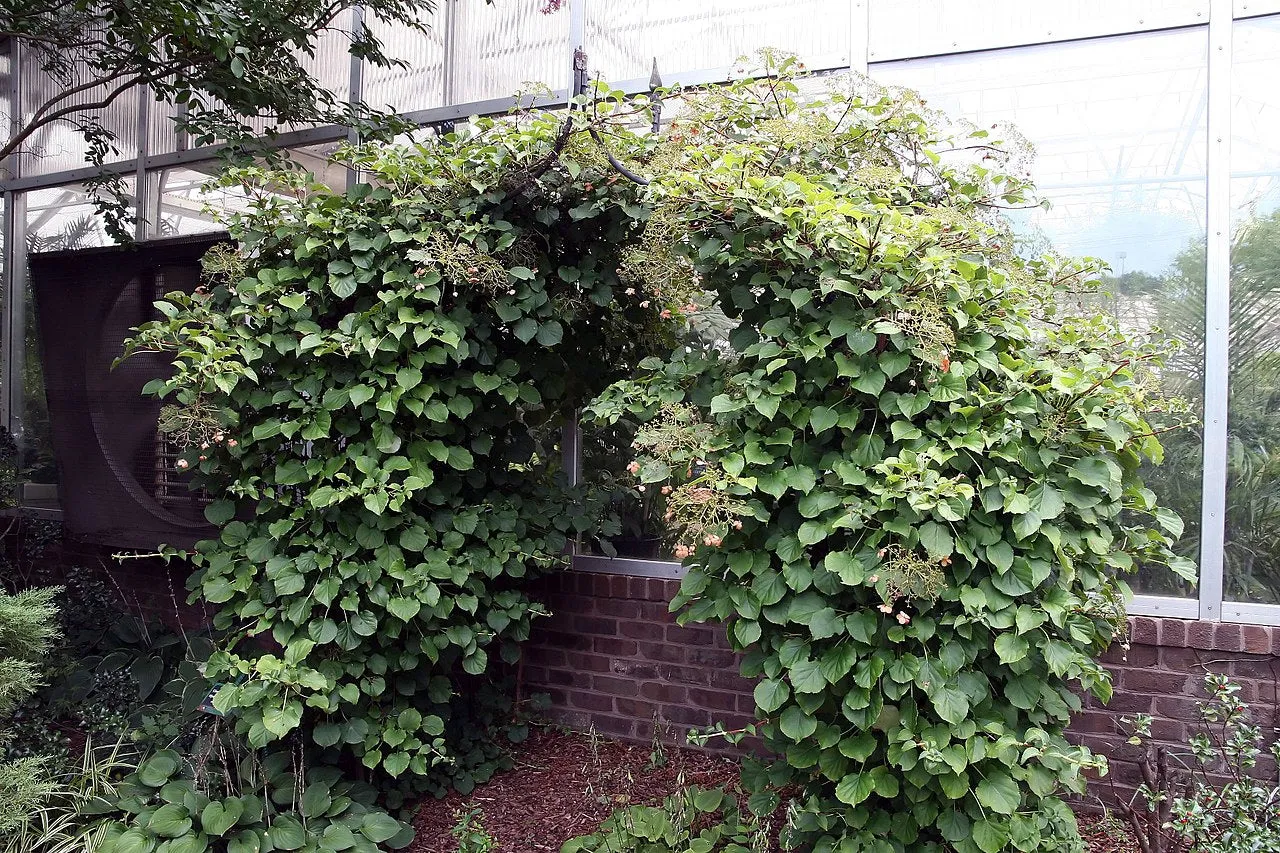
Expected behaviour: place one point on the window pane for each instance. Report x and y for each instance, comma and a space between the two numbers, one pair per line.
624, 37
1252, 554
1119, 135
188, 206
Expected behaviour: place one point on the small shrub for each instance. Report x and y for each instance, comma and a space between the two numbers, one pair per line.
693, 820
1207, 797
470, 833
180, 804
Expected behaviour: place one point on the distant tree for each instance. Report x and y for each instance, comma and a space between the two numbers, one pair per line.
1252, 552
223, 61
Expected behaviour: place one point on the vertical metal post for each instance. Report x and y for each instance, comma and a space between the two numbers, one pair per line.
1217, 319
355, 94
15, 305
859, 34
143, 212
447, 75
14, 235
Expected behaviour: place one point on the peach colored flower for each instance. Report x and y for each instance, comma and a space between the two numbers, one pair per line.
885, 608
903, 619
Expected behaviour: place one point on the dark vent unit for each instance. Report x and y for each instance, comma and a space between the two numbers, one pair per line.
117, 480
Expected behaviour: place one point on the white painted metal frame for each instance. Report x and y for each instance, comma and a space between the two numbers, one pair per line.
878, 30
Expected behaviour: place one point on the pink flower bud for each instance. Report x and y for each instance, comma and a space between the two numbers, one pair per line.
903, 619
885, 608
232, 443
182, 463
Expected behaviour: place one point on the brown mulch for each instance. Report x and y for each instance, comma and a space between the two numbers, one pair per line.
564, 785
1105, 834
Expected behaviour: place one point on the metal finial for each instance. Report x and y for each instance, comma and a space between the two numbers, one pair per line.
655, 100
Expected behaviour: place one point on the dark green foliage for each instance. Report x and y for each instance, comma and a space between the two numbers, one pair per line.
245, 803
387, 372
906, 483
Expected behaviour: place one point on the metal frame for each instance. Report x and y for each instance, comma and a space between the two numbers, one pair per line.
1217, 16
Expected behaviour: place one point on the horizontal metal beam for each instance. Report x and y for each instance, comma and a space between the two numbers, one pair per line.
630, 567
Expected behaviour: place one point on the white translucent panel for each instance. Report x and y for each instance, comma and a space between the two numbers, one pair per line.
900, 29
501, 49
420, 85
63, 218
1118, 127
184, 202
1251, 551
1244, 8
1119, 132
58, 145
5, 89
624, 37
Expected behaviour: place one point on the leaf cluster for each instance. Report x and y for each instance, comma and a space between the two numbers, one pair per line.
939, 477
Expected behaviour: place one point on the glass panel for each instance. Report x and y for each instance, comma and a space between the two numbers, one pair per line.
624, 37
1252, 553
501, 49
1119, 133
60, 145
419, 86
188, 206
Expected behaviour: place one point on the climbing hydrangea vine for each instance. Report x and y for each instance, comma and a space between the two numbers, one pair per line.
373, 384
906, 481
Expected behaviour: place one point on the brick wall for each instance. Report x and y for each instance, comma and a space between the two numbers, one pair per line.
612, 657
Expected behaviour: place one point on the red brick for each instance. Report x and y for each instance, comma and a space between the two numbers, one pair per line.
622, 608
1097, 722
1200, 635
611, 725
713, 658
1151, 681
1257, 640
1181, 659
662, 652
713, 699
588, 663
615, 686
1173, 632
1125, 702
615, 647
642, 630
1228, 638
637, 709
684, 674
685, 715
595, 625
662, 692
634, 669
1145, 630
689, 636
590, 701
